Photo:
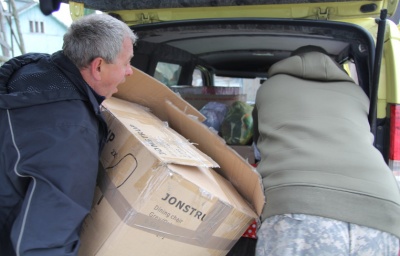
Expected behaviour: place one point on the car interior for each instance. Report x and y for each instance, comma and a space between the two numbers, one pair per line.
247, 48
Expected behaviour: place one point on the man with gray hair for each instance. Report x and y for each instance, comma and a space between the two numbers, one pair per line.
52, 132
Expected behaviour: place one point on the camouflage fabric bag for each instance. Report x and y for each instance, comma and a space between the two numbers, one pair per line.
237, 126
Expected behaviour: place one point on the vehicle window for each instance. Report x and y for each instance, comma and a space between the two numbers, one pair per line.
197, 78
248, 86
167, 73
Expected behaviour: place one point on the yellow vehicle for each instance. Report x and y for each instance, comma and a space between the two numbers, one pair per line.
213, 43
207, 46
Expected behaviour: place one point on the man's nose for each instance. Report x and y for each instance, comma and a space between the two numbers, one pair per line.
129, 71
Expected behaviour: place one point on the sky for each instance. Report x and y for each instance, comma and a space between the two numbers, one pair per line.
63, 14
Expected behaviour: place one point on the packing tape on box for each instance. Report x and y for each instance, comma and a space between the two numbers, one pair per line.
200, 237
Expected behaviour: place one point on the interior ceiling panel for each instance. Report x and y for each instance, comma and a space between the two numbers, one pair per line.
201, 46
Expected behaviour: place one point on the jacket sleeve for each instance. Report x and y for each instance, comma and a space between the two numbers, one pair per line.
59, 156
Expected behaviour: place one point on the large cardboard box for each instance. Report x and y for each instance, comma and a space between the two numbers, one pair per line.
186, 120
158, 193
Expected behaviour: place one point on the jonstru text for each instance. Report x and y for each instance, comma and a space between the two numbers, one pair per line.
166, 216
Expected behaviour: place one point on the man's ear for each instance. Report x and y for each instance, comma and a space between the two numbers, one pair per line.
95, 67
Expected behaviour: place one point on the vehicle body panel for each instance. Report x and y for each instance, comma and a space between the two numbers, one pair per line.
190, 9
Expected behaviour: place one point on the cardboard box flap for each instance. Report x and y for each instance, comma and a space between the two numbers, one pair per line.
163, 142
233, 167
147, 91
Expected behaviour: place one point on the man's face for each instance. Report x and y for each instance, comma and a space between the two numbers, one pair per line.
113, 74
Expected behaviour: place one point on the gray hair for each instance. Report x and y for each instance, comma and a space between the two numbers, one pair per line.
95, 35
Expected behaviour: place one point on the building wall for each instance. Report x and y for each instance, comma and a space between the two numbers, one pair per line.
40, 33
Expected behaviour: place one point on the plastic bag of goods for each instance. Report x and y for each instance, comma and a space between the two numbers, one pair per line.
237, 126
215, 113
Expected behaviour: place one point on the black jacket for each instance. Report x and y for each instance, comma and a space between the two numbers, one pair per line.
51, 133
36, 79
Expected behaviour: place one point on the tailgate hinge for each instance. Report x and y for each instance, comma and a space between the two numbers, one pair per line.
323, 13
147, 18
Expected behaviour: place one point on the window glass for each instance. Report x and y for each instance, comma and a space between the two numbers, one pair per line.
31, 29
246, 86
197, 78
167, 73
34, 26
